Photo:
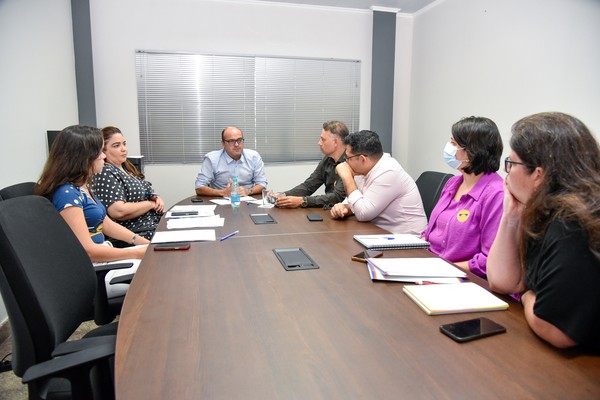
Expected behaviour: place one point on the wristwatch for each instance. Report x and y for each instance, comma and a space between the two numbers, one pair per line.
304, 202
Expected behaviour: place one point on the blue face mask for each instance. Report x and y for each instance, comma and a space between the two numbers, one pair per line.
450, 156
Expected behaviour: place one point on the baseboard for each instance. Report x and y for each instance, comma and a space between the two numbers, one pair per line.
4, 330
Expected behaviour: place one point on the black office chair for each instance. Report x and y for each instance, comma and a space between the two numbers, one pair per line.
19, 189
430, 184
49, 287
106, 309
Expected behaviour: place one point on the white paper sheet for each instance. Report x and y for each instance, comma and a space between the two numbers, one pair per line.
195, 222
194, 235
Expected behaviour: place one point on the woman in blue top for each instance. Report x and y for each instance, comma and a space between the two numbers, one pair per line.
76, 155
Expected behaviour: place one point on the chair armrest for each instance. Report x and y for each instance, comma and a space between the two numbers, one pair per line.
102, 312
109, 267
122, 279
76, 368
82, 344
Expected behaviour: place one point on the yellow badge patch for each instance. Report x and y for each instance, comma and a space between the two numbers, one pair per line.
463, 215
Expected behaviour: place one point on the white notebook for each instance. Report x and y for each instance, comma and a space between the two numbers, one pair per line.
454, 298
376, 275
391, 241
418, 267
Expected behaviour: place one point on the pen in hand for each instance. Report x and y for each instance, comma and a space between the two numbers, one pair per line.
228, 236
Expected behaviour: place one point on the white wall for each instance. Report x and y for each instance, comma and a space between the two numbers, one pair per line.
235, 27
37, 77
503, 59
37, 81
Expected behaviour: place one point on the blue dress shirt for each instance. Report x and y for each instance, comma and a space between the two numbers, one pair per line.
218, 168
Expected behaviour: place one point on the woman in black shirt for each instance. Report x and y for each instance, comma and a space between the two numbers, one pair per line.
548, 243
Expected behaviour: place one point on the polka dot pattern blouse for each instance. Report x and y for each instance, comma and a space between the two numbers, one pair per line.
112, 185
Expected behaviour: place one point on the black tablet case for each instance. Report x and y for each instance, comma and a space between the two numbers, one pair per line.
294, 259
262, 219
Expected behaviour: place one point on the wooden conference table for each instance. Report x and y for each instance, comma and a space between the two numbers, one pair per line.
224, 320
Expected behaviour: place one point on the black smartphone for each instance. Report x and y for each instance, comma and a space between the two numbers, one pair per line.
472, 329
197, 200
314, 217
183, 213
172, 246
363, 255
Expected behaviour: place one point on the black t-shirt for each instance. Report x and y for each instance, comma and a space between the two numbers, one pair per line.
565, 276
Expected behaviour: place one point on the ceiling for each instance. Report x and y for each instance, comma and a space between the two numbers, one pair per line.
405, 6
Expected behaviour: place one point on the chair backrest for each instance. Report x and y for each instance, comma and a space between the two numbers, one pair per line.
17, 190
430, 184
47, 280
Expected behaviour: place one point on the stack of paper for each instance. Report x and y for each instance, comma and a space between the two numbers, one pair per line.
190, 216
194, 216
416, 270
454, 298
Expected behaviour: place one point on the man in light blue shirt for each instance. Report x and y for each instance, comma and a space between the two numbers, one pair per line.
220, 166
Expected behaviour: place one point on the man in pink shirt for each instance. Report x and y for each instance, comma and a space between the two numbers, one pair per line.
377, 187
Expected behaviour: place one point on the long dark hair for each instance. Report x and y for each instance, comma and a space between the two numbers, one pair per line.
107, 133
570, 158
71, 159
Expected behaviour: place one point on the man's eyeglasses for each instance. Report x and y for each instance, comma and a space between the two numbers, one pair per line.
508, 164
356, 155
231, 142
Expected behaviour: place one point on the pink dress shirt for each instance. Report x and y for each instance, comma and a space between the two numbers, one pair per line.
388, 197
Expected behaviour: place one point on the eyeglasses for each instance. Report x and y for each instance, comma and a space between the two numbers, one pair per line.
508, 164
356, 155
231, 142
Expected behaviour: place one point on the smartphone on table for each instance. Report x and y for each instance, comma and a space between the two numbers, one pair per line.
172, 246
183, 213
471, 329
363, 255
314, 217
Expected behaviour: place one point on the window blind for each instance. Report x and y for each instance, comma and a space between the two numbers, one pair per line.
185, 100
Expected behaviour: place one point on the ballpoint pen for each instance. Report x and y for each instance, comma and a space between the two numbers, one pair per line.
228, 236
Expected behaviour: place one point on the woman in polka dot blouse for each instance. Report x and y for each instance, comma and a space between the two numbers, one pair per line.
127, 196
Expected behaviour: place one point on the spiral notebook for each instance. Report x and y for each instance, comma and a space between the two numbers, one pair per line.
391, 241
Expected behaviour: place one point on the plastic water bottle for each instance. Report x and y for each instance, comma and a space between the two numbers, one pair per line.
235, 193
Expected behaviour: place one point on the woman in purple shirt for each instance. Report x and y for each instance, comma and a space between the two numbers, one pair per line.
465, 220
